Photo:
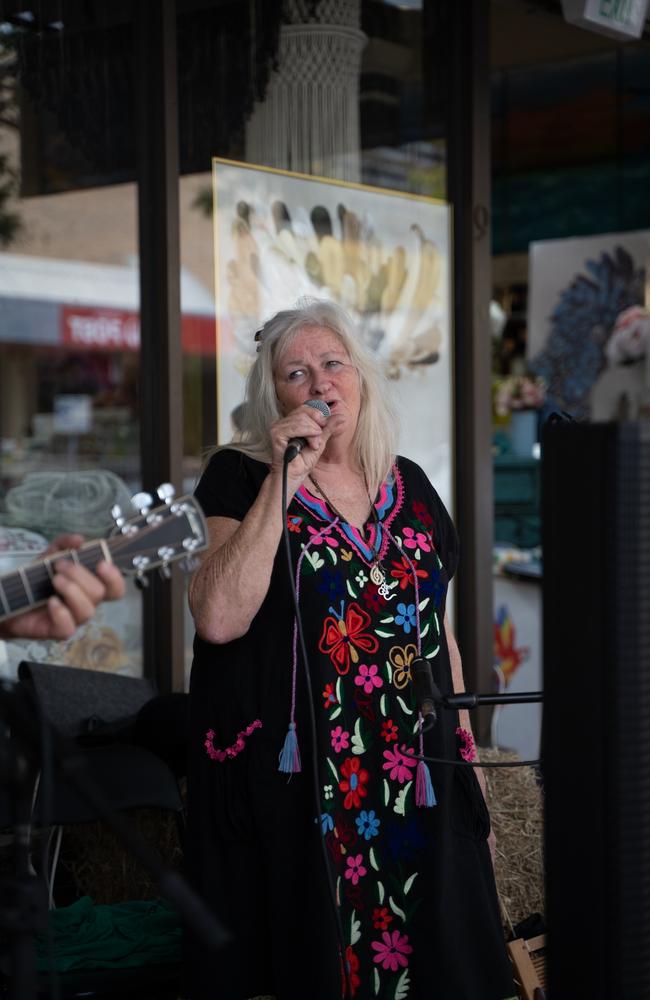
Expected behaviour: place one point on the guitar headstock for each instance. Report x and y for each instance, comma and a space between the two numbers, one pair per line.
158, 535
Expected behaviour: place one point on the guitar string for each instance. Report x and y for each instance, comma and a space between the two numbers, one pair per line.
15, 587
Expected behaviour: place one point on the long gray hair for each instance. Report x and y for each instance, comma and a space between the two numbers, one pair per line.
375, 438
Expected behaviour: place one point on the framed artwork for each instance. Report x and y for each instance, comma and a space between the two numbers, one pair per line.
383, 255
578, 288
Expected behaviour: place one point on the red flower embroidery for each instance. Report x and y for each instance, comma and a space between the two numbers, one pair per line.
329, 698
371, 597
343, 633
365, 706
389, 731
346, 832
293, 523
354, 782
402, 572
381, 918
353, 969
422, 513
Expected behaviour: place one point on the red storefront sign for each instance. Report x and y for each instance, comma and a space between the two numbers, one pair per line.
103, 329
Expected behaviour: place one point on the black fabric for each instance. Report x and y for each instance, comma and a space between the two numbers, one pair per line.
253, 847
81, 701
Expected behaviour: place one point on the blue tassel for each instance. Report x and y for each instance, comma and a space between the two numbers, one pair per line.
424, 793
290, 756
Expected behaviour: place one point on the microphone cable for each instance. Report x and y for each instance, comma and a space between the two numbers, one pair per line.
313, 733
478, 763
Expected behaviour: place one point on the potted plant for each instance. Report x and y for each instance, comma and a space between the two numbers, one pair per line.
520, 397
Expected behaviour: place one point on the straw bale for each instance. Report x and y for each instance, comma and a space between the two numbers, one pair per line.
516, 809
101, 866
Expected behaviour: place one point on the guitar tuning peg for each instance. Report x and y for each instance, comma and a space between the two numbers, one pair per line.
165, 571
189, 564
142, 502
117, 515
166, 492
141, 581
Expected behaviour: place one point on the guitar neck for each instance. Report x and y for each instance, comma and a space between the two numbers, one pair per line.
30, 586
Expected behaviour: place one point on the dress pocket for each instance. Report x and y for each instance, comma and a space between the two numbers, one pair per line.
469, 813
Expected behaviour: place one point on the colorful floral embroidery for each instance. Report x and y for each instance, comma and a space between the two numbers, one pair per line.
392, 950
368, 678
343, 633
340, 739
400, 763
400, 659
405, 616
231, 751
355, 868
416, 540
369, 815
353, 784
381, 918
402, 571
329, 698
389, 731
467, 750
368, 824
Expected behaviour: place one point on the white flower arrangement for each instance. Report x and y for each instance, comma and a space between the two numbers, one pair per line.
518, 392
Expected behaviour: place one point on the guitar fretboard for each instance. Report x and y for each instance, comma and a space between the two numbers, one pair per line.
31, 585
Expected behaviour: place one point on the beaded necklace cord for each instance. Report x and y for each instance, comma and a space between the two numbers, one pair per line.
377, 573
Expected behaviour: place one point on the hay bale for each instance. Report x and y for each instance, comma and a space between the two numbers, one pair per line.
100, 865
515, 802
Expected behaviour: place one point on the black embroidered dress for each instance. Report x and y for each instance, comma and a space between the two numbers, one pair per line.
415, 884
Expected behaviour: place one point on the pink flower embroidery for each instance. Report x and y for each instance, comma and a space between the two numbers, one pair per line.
392, 950
416, 540
368, 678
215, 754
317, 537
399, 763
467, 750
355, 869
340, 739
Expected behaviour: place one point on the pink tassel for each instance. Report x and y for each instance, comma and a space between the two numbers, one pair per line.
424, 793
290, 755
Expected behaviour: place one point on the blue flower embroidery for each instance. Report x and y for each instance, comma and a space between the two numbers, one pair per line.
405, 839
327, 823
367, 824
433, 587
405, 616
331, 584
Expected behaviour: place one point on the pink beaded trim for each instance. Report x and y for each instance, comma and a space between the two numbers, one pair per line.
237, 746
467, 750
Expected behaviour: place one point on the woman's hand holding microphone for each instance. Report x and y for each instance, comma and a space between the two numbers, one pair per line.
306, 430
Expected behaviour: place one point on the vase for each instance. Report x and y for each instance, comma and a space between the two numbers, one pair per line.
523, 432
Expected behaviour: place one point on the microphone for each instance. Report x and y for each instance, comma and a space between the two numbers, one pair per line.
427, 694
296, 444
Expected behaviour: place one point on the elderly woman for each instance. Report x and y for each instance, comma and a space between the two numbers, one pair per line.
373, 550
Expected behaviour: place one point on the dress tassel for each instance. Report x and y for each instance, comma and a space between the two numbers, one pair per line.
290, 755
424, 793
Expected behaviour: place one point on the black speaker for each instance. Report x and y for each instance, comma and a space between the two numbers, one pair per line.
596, 732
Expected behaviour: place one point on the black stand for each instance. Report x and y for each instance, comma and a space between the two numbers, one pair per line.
23, 912
468, 700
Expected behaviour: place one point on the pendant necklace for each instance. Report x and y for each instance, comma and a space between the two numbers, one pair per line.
377, 572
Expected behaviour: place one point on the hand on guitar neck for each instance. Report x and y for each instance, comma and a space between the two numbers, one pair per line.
50, 598
78, 592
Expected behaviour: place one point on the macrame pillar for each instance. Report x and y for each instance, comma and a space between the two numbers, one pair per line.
309, 120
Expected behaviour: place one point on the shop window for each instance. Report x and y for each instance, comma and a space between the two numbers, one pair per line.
69, 303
